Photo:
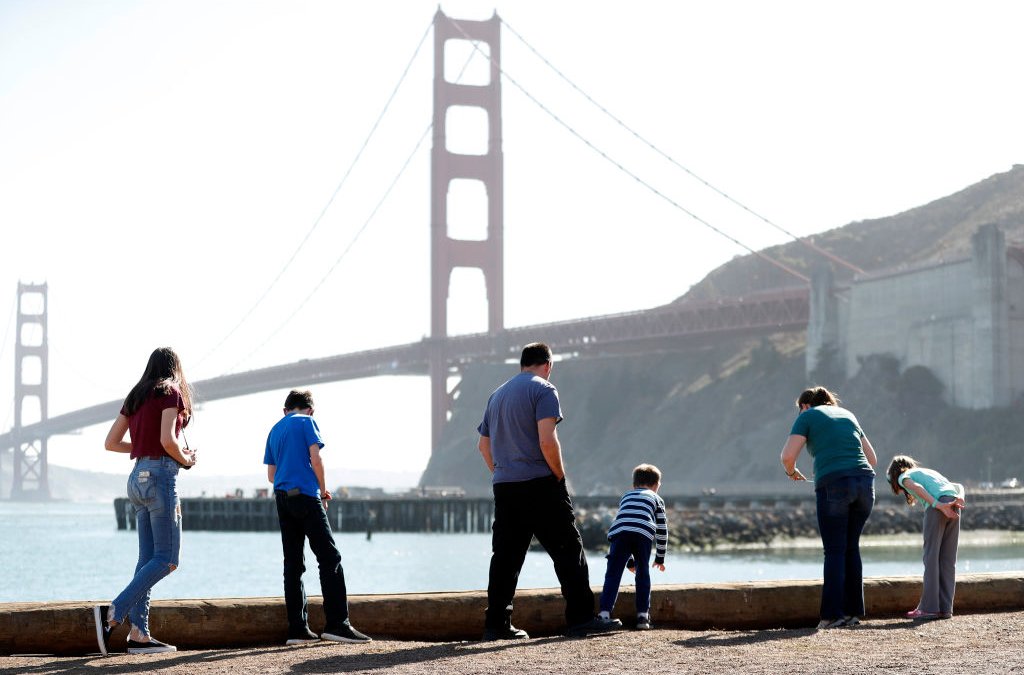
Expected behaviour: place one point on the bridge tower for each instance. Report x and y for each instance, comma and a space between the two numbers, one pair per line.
30, 386
446, 252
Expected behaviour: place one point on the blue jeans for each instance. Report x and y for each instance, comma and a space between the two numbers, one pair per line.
302, 517
152, 489
624, 545
843, 507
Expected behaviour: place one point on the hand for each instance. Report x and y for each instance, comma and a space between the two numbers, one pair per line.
796, 475
326, 497
947, 509
959, 502
659, 566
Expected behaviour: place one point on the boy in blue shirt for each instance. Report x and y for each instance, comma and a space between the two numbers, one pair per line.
294, 467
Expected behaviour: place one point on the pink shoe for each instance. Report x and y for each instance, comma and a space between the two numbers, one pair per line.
917, 614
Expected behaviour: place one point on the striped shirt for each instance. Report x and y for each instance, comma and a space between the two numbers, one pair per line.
641, 510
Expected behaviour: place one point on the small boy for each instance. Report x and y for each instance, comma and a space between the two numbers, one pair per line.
639, 523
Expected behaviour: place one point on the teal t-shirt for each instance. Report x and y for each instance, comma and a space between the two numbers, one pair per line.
933, 482
833, 439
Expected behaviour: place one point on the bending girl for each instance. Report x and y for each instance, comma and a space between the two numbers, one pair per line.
942, 503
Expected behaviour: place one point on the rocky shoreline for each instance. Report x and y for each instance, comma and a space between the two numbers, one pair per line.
705, 529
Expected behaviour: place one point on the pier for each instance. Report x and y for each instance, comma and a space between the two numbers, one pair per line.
380, 514
755, 517
405, 513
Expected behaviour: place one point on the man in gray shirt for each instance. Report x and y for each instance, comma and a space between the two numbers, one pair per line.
519, 443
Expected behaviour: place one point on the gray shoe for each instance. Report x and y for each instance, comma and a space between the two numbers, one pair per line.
301, 637
506, 632
831, 623
597, 624
344, 633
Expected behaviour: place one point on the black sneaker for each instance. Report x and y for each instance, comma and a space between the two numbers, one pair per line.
301, 637
103, 631
643, 623
344, 633
597, 624
506, 632
151, 647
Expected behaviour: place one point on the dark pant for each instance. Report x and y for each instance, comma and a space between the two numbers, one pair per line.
843, 507
541, 508
624, 545
303, 516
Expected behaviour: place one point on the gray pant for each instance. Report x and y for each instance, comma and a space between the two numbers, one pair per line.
940, 540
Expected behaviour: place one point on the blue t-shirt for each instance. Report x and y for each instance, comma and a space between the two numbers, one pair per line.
510, 421
288, 449
833, 440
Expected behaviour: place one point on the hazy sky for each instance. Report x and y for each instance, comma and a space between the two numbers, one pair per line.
161, 162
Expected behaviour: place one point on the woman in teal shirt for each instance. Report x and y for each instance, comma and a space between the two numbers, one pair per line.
845, 491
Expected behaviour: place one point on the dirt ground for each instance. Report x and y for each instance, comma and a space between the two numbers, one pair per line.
978, 643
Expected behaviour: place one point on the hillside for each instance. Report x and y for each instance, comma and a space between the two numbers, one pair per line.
939, 230
717, 417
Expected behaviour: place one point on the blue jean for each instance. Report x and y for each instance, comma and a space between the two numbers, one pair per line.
843, 507
152, 489
302, 517
624, 545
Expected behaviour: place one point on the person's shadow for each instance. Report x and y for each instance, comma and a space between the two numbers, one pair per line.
753, 637
356, 661
103, 664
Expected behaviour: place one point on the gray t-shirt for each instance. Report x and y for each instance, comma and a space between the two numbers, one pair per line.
510, 421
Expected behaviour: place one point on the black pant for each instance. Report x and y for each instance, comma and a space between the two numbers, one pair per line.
541, 508
303, 516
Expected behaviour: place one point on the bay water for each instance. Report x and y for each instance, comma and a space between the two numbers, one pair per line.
73, 551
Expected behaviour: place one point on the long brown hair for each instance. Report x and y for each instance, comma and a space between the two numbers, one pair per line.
163, 371
897, 466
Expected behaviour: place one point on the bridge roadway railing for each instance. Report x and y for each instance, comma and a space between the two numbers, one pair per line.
785, 309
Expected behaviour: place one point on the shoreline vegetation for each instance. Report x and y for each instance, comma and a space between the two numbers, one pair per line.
739, 529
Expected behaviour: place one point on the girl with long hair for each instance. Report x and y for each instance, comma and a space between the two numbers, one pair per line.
154, 414
942, 501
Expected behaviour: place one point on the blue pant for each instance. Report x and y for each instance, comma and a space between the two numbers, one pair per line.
843, 507
301, 517
624, 545
152, 489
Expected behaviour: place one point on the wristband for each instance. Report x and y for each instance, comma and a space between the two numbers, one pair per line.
791, 474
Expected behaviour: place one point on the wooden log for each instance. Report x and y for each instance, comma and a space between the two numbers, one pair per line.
67, 627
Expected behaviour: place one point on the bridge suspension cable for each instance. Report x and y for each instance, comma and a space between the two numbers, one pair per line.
802, 240
628, 172
358, 234
330, 201
344, 253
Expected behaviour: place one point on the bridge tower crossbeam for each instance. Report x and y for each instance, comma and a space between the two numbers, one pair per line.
31, 473
447, 252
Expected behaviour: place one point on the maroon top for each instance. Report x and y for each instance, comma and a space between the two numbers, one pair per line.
144, 425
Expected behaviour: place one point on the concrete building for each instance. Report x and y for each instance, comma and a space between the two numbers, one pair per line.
961, 319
